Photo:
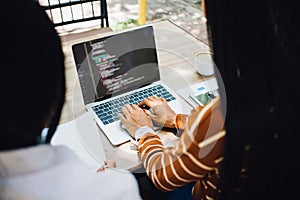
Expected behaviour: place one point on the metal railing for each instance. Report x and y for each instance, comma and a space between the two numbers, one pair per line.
64, 12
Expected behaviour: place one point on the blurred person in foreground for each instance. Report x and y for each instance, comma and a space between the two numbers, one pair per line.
256, 48
33, 92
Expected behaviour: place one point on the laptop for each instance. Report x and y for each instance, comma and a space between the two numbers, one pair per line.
118, 69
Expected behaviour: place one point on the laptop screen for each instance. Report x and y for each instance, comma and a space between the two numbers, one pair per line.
116, 64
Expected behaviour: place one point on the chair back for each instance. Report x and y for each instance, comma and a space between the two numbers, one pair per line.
65, 12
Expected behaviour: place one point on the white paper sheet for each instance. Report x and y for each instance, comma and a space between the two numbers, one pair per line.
82, 136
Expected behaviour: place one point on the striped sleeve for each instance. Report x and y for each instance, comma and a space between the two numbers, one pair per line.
193, 157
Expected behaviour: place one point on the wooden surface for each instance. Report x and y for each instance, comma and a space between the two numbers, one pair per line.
176, 49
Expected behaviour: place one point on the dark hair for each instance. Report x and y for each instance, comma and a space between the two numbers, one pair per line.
33, 79
256, 48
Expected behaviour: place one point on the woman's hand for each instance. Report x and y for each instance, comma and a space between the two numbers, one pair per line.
108, 164
163, 115
134, 117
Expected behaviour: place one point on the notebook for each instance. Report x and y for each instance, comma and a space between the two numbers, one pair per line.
81, 135
118, 69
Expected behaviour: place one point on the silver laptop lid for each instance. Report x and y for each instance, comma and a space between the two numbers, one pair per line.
116, 64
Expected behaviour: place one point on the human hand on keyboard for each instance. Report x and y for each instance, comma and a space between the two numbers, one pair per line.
133, 118
161, 114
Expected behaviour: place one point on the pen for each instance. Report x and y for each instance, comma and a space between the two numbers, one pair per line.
133, 141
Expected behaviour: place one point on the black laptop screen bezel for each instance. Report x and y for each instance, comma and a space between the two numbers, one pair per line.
134, 46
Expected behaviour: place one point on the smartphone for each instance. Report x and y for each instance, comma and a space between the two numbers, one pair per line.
205, 98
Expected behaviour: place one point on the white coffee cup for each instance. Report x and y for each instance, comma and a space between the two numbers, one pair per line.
204, 63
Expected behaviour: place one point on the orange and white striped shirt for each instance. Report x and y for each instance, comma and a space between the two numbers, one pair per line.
196, 157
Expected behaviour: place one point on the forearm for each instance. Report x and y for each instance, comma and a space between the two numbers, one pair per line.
199, 150
153, 158
166, 167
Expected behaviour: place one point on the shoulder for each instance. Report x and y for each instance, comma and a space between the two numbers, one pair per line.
42, 170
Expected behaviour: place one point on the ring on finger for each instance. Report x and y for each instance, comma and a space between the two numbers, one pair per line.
136, 107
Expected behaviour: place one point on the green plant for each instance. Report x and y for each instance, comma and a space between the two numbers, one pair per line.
127, 24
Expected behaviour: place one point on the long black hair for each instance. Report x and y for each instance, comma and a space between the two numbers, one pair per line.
256, 49
33, 79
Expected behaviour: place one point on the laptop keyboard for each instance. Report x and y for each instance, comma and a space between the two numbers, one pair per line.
107, 112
